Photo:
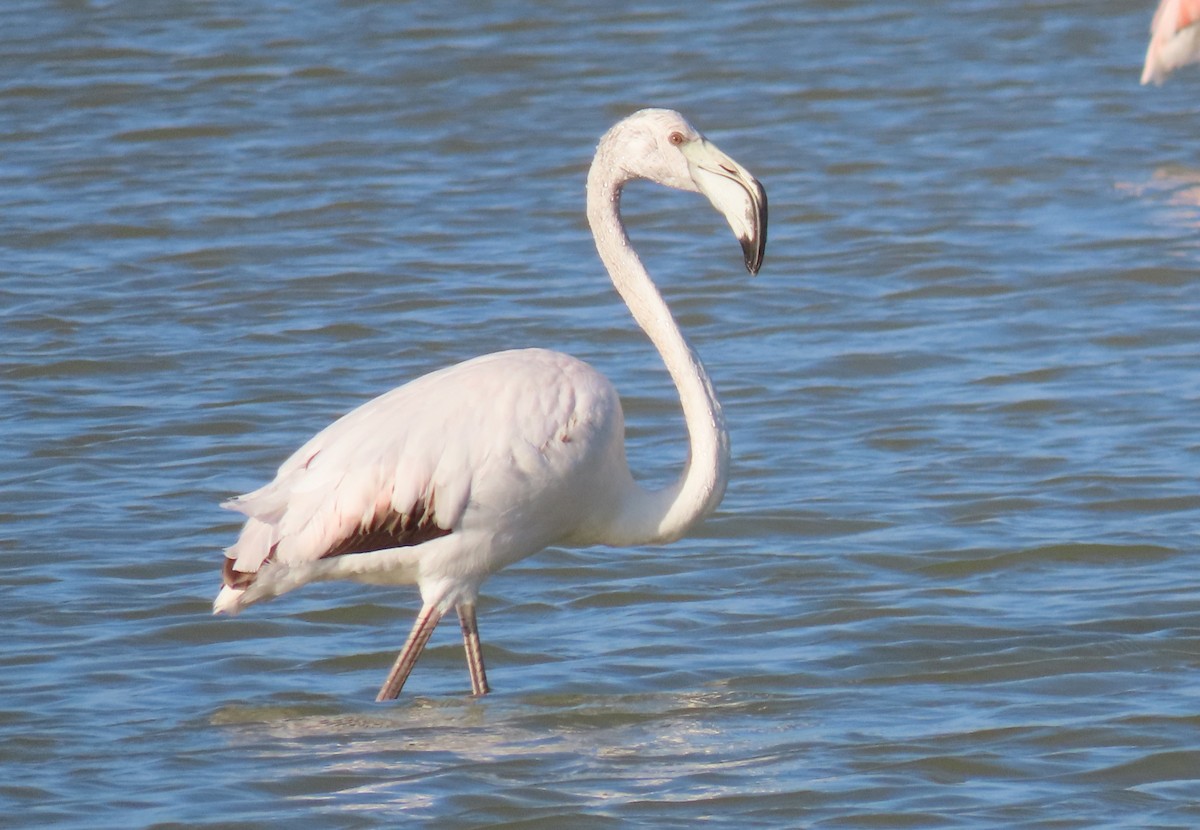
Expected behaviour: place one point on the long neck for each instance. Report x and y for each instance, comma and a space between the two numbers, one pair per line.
664, 515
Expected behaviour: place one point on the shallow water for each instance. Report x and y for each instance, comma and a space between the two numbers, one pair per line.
953, 582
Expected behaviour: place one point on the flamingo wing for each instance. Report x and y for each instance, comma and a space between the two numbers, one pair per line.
488, 436
1174, 39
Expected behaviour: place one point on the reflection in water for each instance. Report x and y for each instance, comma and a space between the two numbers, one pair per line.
952, 582
675, 747
1175, 185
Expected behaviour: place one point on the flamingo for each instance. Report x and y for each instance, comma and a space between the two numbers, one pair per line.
1174, 39
450, 477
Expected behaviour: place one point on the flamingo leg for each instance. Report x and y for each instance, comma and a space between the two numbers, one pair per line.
427, 620
470, 631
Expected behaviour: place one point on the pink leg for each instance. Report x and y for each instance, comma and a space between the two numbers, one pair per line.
466, 616
427, 620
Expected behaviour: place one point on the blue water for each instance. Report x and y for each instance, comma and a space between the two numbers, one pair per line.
953, 582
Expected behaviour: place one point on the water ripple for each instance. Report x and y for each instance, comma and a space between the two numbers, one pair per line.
951, 584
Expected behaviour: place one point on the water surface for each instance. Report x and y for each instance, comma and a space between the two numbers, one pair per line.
953, 582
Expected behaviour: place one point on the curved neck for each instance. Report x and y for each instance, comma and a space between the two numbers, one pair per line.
663, 515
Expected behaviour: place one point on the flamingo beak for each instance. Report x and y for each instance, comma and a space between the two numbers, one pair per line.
736, 195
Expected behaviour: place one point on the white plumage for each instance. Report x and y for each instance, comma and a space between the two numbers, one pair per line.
445, 480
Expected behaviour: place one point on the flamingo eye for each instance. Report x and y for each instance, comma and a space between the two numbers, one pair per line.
675, 138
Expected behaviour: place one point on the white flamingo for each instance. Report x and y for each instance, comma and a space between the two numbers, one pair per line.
1174, 39
449, 478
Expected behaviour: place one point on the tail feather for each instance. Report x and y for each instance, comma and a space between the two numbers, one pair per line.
228, 601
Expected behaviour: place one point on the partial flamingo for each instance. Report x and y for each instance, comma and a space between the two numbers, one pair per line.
445, 480
1174, 39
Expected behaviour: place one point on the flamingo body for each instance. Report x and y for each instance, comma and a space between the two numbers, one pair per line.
380, 496
1174, 39
445, 480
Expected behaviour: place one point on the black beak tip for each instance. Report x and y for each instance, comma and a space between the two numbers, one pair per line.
753, 251
754, 246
